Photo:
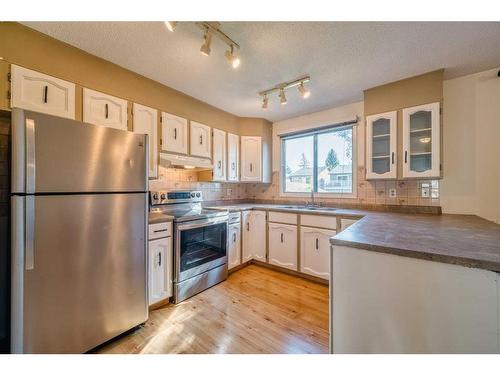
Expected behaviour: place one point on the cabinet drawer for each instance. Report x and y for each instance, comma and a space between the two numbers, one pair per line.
234, 217
282, 217
159, 230
318, 221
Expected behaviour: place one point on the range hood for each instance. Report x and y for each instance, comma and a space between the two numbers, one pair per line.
184, 161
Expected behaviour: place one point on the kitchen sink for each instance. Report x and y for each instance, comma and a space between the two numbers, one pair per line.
309, 208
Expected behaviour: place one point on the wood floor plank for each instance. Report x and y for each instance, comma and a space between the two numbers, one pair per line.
256, 310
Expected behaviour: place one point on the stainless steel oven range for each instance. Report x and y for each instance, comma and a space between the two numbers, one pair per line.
200, 241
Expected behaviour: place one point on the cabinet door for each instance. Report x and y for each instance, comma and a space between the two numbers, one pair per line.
283, 245
381, 146
247, 240
233, 156
251, 158
234, 255
315, 251
174, 133
219, 158
105, 110
146, 122
200, 140
160, 269
258, 235
421, 141
42, 93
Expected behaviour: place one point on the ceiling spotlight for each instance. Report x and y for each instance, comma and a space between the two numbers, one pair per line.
303, 91
171, 25
425, 140
282, 97
205, 47
232, 58
265, 100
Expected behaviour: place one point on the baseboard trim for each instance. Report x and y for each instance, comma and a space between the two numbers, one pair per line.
280, 269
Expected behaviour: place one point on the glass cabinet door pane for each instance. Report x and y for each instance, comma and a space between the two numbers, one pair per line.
381, 146
420, 141
382, 126
381, 165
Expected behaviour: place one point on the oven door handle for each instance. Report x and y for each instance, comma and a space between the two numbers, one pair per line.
202, 223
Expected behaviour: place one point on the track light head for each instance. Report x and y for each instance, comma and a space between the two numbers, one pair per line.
265, 102
282, 97
207, 39
232, 58
303, 91
171, 25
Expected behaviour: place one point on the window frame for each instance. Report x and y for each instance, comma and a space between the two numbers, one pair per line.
315, 132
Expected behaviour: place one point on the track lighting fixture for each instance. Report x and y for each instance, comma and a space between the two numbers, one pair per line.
282, 96
280, 88
207, 39
265, 100
303, 91
232, 58
171, 25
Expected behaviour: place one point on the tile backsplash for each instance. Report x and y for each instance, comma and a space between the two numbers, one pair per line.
370, 193
408, 192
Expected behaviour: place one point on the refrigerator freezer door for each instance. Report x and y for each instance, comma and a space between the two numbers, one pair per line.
56, 155
87, 279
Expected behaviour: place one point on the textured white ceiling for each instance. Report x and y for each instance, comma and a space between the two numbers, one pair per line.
343, 58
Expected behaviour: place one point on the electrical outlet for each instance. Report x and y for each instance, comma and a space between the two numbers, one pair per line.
425, 190
392, 193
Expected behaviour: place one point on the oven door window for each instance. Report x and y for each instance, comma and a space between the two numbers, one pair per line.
202, 245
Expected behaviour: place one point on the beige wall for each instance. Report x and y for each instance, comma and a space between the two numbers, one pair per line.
23, 46
471, 134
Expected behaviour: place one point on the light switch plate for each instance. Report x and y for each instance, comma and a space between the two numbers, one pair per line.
392, 193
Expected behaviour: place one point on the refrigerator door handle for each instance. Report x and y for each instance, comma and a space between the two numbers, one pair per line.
30, 156
29, 256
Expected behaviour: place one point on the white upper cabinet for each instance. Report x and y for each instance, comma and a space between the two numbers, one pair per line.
105, 110
42, 93
421, 141
251, 158
315, 251
233, 156
174, 133
283, 245
234, 250
381, 146
219, 159
200, 140
146, 122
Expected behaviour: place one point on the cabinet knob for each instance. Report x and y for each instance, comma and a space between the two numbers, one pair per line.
251, 167
159, 259
406, 157
234, 237
45, 94
106, 111
175, 133
201, 139
248, 226
393, 157
281, 237
317, 244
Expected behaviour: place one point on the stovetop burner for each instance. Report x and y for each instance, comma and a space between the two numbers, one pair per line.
182, 205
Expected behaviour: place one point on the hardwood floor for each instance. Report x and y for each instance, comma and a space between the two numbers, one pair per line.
256, 310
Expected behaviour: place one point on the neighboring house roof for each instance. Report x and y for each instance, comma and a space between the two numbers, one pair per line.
305, 172
339, 169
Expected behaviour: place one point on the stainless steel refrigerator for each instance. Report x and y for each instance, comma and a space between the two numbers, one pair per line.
78, 233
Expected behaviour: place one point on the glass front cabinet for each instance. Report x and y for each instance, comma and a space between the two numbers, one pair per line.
421, 141
381, 146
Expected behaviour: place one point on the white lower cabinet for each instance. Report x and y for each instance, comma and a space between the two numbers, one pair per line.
283, 245
315, 251
234, 249
160, 269
254, 236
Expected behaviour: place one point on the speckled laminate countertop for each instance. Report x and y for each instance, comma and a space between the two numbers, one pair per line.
158, 217
465, 240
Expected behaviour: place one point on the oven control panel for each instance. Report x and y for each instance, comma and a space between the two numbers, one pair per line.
175, 196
